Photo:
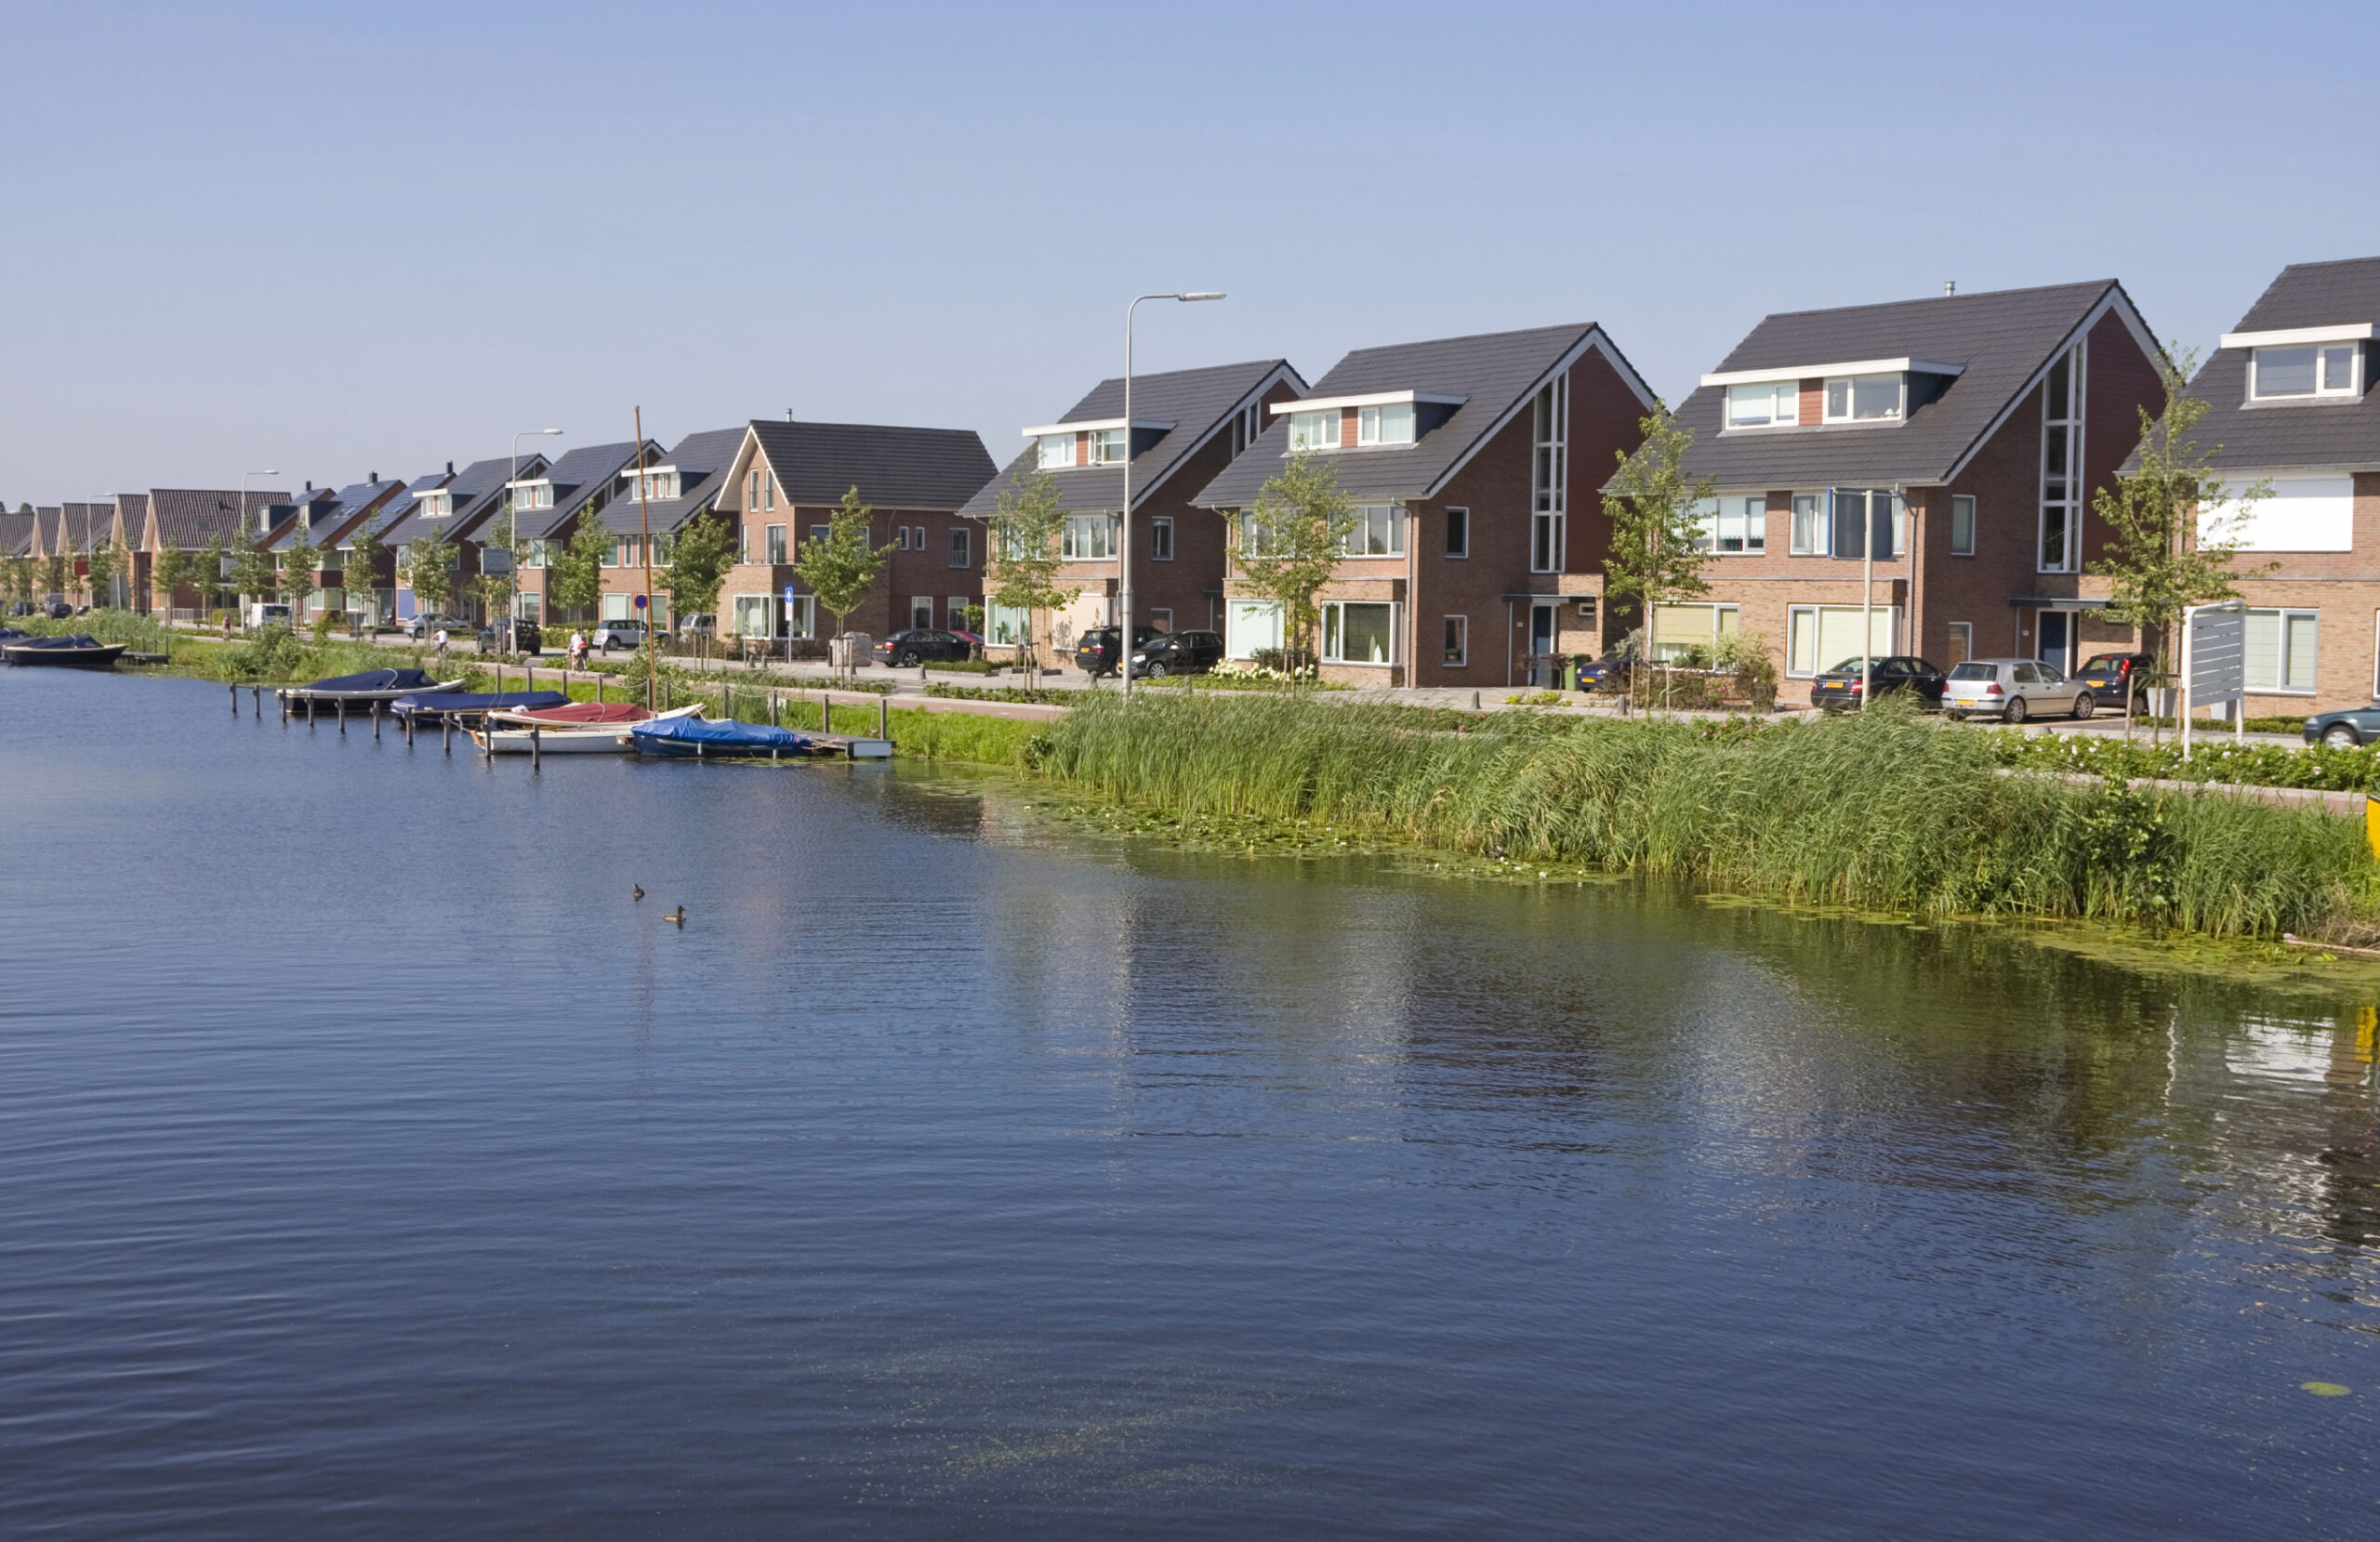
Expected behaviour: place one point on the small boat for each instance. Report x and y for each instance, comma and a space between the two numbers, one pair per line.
373, 685
471, 706
63, 652
564, 738
700, 739
583, 715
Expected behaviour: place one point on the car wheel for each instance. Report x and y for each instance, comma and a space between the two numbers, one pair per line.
2014, 711
1956, 717
1156, 671
2082, 705
907, 661
2340, 736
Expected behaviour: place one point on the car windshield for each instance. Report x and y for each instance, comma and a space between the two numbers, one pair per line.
1975, 671
2103, 664
1851, 666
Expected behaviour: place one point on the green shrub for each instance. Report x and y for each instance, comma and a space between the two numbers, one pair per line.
2215, 759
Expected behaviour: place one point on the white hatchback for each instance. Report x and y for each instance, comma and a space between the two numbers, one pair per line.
2013, 690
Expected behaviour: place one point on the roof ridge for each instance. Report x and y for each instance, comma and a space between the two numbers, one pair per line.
1577, 328
2100, 285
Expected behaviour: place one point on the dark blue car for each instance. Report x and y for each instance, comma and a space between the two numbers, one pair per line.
2346, 728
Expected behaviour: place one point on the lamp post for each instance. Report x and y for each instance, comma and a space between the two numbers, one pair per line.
1124, 535
512, 517
240, 517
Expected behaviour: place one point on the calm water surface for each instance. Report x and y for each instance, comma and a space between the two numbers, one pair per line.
371, 1165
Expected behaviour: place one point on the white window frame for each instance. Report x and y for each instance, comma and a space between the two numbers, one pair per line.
2282, 616
1379, 531
1719, 610
1160, 537
1890, 615
962, 546
922, 604
1304, 437
954, 608
1956, 500
1162, 625
1962, 632
1334, 628
1550, 478
1246, 428
1053, 452
1389, 424
1784, 404
1850, 384
1734, 511
1458, 551
532, 494
1812, 508
437, 506
773, 546
1109, 446
2070, 501
2323, 389
1456, 651
1074, 544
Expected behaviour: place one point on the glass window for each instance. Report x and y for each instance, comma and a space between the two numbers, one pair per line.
1735, 525
1809, 535
1379, 532
2338, 369
755, 616
1313, 430
962, 546
1353, 633
1088, 538
2061, 519
1056, 451
1251, 537
954, 608
1770, 401
1680, 632
2306, 370
776, 543
2280, 650
1961, 525
1457, 532
1815, 633
1160, 538
1458, 642
1862, 398
1004, 625
1107, 446
1391, 424
1961, 646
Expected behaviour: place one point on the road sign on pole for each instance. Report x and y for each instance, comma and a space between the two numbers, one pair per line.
639, 602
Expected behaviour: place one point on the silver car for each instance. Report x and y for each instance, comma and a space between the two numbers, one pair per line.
2013, 690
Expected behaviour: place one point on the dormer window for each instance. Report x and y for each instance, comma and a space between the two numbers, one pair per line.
1391, 423
532, 494
1864, 398
1057, 451
2304, 372
1108, 446
656, 485
1313, 430
1764, 404
437, 506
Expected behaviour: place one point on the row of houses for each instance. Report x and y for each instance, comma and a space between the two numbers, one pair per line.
1975, 428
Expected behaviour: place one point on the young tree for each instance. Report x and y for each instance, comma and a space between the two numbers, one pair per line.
699, 558
100, 571
1290, 546
2174, 526
252, 569
1656, 517
574, 574
841, 569
301, 563
1020, 557
168, 572
361, 577
430, 570
206, 570
58, 572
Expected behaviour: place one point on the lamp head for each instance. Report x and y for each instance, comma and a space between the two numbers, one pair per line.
1202, 294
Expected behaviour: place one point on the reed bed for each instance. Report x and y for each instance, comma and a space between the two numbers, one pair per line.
1877, 811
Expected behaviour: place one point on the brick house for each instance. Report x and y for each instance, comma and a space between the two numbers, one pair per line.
1188, 426
2290, 402
1473, 554
785, 480
186, 519
325, 518
548, 503
458, 506
678, 486
1974, 427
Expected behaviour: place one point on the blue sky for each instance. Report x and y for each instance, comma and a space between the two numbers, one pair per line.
335, 239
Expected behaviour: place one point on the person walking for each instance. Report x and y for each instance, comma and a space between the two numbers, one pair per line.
577, 648
441, 641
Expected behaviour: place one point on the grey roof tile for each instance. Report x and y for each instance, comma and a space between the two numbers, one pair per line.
893, 467
188, 517
2333, 433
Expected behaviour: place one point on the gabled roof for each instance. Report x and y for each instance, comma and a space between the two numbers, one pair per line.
46, 528
87, 525
1495, 374
701, 460
400, 508
2324, 433
893, 468
479, 492
2002, 342
328, 520
186, 518
16, 534
581, 479
1196, 403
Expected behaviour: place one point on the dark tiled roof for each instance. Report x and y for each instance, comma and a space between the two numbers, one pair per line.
87, 525
1196, 401
333, 518
1494, 372
16, 534
479, 491
893, 468
2313, 433
399, 512
702, 461
2002, 339
584, 476
187, 517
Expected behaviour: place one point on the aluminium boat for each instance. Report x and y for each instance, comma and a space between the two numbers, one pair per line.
701, 739
62, 652
371, 685
506, 735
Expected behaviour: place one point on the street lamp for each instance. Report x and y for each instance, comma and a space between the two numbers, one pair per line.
1124, 541
240, 519
512, 515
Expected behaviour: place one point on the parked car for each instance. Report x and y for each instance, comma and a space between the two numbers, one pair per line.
2114, 677
696, 622
512, 636
1611, 672
60, 610
22, 607
1178, 653
1839, 687
1095, 652
415, 627
2345, 729
907, 649
2013, 690
613, 636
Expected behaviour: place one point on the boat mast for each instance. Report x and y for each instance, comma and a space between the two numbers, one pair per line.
645, 540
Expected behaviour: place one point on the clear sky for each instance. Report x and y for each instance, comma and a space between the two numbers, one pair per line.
336, 238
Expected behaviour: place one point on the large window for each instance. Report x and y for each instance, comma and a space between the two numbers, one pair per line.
1863, 398
2305, 371
1961, 525
1769, 402
1162, 538
1379, 531
1548, 477
954, 608
1810, 530
1313, 430
1819, 637
1055, 451
1735, 525
532, 495
1250, 626
1683, 634
1457, 532
1358, 632
1389, 424
755, 616
2281, 651
1003, 626
1247, 426
1107, 446
1088, 538
1253, 539
2061, 529
534, 554
962, 546
776, 544
1457, 642
1858, 510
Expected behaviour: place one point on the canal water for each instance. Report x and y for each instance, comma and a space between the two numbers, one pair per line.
373, 1165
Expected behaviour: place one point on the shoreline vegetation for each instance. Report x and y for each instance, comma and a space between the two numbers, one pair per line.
1878, 811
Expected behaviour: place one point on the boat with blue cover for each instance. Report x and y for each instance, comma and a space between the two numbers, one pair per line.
702, 739
371, 685
471, 706
62, 652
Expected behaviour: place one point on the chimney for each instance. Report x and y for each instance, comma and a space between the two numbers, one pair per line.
789, 415
1950, 288
309, 487
372, 476
450, 467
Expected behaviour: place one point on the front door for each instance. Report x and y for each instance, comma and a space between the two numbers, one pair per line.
1540, 645
2055, 636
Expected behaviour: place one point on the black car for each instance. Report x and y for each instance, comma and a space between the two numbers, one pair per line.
1839, 687
2112, 677
2346, 728
1096, 654
22, 607
525, 637
919, 645
1178, 653
60, 610
1611, 672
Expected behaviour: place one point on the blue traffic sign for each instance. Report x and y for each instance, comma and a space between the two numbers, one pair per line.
639, 602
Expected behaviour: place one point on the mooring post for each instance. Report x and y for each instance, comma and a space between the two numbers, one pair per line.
342, 717
884, 717
450, 734
409, 730
825, 712
375, 722
309, 712
536, 757
256, 699
235, 701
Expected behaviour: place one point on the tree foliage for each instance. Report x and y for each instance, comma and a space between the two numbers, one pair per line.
575, 573
842, 568
361, 577
168, 571
699, 558
302, 561
106, 560
1289, 544
1654, 510
428, 568
252, 571
1021, 555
